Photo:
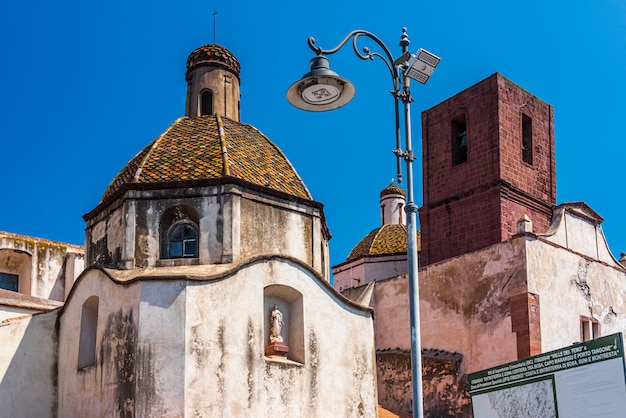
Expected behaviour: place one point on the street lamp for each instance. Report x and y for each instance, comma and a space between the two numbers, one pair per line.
322, 89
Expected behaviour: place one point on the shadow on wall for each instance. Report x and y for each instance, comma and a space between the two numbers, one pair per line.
28, 365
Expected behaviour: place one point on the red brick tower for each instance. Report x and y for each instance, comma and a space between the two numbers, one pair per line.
488, 158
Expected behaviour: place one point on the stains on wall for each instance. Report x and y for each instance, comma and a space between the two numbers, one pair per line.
314, 364
445, 388
118, 357
394, 380
100, 254
356, 401
283, 388
580, 280
252, 354
147, 400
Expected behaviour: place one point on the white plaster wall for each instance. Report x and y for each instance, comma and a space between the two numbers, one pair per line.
92, 391
579, 234
199, 349
161, 349
463, 306
14, 312
39, 264
28, 366
225, 339
570, 286
368, 269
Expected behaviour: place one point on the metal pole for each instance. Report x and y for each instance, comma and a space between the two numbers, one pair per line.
411, 226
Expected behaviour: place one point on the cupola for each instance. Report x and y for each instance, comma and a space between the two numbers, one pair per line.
209, 190
383, 252
212, 83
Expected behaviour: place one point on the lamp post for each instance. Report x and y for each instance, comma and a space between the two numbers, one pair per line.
322, 89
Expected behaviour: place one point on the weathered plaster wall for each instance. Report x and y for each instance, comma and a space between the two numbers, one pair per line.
464, 309
267, 229
28, 360
108, 388
104, 239
233, 223
226, 339
464, 304
570, 286
368, 269
445, 389
172, 347
46, 269
161, 349
223, 84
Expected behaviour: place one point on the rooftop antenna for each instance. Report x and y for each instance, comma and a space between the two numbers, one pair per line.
214, 24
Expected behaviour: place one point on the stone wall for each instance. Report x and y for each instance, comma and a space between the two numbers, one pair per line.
445, 388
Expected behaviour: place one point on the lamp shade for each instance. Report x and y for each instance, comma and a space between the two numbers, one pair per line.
320, 89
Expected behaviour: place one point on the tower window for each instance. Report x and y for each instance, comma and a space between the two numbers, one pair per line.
206, 103
459, 140
527, 139
182, 240
9, 281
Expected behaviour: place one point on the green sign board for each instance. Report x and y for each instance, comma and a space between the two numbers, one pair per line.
578, 381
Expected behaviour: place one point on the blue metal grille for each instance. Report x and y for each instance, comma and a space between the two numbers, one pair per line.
9, 281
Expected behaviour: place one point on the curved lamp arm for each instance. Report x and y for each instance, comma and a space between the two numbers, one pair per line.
367, 54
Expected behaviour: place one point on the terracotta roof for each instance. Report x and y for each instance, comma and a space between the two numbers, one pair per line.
210, 147
385, 413
393, 188
212, 54
388, 239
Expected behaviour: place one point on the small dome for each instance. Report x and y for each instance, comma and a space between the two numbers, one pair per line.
392, 189
213, 54
386, 240
196, 150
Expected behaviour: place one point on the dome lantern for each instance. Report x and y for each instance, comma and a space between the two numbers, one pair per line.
213, 83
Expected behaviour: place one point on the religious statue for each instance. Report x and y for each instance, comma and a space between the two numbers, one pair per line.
277, 324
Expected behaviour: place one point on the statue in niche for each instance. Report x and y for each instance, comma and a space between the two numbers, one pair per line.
277, 324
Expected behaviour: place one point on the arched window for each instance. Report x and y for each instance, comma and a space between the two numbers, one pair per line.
88, 333
206, 103
182, 240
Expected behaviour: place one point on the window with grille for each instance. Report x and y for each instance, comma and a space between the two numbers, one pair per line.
9, 281
182, 240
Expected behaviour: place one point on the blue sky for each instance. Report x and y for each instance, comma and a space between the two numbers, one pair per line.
85, 85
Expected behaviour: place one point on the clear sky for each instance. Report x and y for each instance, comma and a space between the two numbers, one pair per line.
85, 85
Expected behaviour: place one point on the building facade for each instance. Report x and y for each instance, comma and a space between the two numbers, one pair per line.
505, 273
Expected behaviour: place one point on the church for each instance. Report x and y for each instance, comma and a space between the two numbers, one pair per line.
203, 288
204, 285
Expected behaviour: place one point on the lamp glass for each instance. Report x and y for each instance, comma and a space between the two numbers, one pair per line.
320, 93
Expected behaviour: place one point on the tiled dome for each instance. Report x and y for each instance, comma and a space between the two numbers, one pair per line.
386, 240
392, 189
193, 150
212, 54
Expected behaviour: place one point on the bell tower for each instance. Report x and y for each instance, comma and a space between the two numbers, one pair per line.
488, 159
213, 83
